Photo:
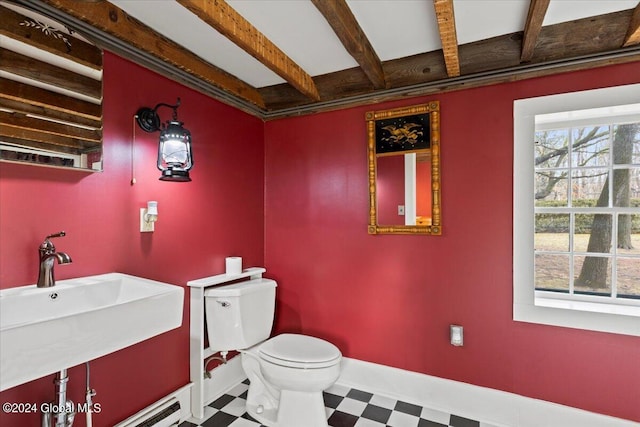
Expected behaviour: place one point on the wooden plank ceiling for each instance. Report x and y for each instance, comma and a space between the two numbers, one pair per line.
534, 51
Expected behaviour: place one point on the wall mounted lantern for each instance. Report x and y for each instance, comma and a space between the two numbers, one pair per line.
174, 149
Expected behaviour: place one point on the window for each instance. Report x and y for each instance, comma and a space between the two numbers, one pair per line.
577, 210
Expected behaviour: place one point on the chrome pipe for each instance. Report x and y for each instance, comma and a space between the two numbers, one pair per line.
61, 398
46, 419
61, 412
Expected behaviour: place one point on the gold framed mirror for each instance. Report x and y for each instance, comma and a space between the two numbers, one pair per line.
404, 170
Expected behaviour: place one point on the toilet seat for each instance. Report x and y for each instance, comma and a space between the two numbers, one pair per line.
299, 351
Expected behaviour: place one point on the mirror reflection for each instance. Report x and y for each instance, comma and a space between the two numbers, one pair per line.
404, 178
404, 189
50, 93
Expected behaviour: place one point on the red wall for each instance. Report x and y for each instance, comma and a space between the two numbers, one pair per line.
389, 299
219, 214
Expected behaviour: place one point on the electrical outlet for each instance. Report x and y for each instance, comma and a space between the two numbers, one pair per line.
400, 209
456, 333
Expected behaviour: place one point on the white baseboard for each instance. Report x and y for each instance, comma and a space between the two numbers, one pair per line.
487, 405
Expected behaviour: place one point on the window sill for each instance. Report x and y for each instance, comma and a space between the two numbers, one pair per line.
602, 317
594, 307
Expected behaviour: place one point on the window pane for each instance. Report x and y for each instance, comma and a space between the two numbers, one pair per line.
636, 149
590, 146
552, 149
629, 235
552, 272
628, 277
634, 186
592, 233
592, 275
552, 232
626, 187
626, 144
552, 188
586, 186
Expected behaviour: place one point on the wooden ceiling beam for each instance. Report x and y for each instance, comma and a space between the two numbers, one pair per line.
633, 33
532, 27
344, 24
222, 17
112, 20
447, 29
591, 38
482, 62
593, 35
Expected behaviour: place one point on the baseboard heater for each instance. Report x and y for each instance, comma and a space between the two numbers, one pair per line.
166, 414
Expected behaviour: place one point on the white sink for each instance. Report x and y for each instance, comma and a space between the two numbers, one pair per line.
45, 330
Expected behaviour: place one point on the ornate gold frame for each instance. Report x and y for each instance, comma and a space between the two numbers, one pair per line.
433, 109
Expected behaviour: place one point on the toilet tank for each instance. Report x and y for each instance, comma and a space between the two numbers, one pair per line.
239, 315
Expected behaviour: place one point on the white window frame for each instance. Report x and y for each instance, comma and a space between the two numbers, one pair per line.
534, 306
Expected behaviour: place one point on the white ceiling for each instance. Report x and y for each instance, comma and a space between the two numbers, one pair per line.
395, 28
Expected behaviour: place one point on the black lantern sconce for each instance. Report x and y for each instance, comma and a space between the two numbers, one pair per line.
174, 149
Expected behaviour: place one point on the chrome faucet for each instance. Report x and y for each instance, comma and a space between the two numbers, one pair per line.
48, 255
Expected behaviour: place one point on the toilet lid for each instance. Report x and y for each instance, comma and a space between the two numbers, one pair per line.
300, 351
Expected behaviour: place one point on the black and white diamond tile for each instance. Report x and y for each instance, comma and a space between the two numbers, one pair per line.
346, 407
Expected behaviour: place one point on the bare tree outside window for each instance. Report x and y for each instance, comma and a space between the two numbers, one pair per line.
581, 174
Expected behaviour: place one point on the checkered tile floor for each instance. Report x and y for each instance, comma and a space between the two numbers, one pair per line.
346, 407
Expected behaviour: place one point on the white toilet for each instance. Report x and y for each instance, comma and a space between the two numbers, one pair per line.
288, 372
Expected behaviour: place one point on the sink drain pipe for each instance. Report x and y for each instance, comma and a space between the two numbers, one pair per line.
62, 411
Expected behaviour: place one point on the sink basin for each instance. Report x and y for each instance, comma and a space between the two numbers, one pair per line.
45, 330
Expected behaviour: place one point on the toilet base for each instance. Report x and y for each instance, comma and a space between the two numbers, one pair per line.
296, 409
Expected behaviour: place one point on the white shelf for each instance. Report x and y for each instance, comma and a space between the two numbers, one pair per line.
224, 278
204, 388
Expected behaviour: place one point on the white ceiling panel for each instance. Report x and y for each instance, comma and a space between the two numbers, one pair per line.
479, 20
300, 31
569, 10
397, 28
199, 38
